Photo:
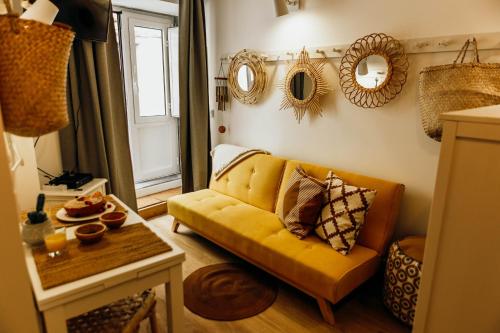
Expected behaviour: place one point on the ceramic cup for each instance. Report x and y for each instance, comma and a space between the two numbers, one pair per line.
33, 234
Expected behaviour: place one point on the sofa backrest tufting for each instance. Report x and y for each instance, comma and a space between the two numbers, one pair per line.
255, 180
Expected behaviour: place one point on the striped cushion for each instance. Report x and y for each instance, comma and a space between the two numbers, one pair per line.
343, 214
302, 203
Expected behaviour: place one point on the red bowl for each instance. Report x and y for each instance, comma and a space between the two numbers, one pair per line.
113, 220
90, 233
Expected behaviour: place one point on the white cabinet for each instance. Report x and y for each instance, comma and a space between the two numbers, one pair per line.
460, 289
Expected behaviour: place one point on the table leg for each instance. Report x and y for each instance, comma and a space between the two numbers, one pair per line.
175, 301
55, 321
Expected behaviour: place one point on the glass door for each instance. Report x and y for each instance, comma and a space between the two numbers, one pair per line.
153, 129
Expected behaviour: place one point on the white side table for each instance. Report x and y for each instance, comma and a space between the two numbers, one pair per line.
71, 299
55, 197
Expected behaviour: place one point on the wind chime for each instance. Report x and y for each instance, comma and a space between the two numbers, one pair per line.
221, 95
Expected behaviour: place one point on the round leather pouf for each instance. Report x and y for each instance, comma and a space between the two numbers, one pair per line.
229, 291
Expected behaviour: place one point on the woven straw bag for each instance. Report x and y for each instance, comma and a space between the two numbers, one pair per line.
33, 69
456, 86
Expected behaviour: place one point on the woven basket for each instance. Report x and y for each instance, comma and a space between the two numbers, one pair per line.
456, 86
33, 69
122, 316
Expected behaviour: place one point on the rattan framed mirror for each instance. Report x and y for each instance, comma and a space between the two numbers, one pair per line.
304, 85
373, 70
247, 77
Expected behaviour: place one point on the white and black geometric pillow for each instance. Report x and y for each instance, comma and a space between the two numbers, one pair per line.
343, 213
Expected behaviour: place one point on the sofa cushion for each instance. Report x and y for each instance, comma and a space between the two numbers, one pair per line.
302, 203
259, 237
255, 181
381, 218
344, 213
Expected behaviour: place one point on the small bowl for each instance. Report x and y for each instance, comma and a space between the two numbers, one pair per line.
113, 220
90, 233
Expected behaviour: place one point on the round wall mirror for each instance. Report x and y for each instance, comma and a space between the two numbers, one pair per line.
246, 78
371, 71
301, 86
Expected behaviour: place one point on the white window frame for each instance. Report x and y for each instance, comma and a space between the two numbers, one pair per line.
173, 58
129, 20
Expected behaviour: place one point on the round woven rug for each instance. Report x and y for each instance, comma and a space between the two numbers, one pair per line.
229, 291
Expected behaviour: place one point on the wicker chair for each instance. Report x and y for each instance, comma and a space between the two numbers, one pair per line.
123, 316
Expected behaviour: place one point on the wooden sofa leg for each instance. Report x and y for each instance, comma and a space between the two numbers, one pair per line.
175, 225
326, 310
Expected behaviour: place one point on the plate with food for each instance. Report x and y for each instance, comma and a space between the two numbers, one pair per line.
85, 208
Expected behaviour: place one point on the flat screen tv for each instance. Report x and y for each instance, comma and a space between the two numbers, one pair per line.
88, 18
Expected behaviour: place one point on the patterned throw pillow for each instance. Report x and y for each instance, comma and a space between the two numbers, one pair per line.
302, 203
343, 213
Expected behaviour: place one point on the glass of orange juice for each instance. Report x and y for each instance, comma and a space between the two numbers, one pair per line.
55, 242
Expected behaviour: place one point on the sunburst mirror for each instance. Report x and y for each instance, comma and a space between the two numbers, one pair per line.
304, 85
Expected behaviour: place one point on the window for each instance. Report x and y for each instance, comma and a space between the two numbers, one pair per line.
150, 71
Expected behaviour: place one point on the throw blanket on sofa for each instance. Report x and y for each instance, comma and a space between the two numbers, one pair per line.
225, 156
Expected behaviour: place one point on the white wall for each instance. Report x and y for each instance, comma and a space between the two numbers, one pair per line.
387, 142
48, 156
211, 26
25, 177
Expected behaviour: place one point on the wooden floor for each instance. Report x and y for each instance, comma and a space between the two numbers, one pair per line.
155, 204
293, 311
157, 198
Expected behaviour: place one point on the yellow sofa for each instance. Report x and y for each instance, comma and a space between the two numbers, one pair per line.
240, 213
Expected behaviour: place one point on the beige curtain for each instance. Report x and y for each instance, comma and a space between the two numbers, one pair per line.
97, 139
193, 86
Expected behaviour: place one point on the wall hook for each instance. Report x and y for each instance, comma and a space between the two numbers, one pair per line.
422, 44
445, 42
321, 52
337, 50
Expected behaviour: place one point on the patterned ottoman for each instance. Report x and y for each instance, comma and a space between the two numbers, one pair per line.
402, 277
